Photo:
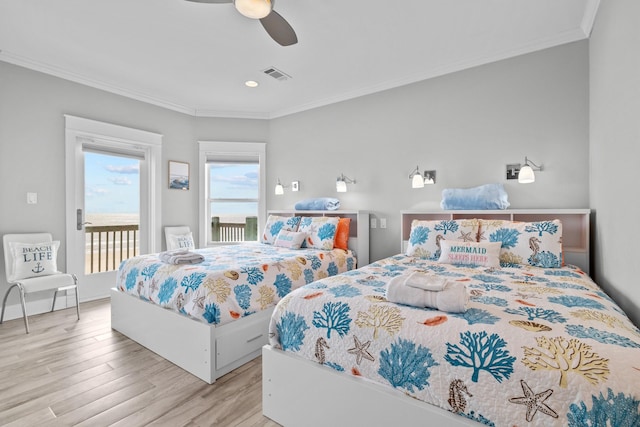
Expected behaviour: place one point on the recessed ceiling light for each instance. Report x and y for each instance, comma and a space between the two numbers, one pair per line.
251, 83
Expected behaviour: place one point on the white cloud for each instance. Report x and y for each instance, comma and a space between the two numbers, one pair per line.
129, 169
121, 180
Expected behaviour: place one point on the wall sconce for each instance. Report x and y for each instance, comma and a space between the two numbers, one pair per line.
279, 190
524, 173
419, 180
341, 183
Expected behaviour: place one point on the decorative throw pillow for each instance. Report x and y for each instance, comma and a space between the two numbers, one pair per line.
341, 241
290, 239
34, 259
485, 254
181, 241
425, 237
276, 223
529, 243
321, 231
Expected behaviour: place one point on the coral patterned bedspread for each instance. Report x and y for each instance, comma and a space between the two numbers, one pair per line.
232, 282
536, 347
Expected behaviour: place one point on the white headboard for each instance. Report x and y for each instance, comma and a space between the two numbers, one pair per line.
358, 231
575, 226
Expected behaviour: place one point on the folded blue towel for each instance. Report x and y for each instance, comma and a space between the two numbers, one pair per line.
318, 204
488, 196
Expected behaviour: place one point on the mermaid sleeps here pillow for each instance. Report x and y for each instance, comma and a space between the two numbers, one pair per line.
425, 237
485, 254
525, 243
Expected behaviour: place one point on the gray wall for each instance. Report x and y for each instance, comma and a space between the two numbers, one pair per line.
32, 157
615, 150
467, 126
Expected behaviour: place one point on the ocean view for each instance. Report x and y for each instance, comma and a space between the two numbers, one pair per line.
97, 219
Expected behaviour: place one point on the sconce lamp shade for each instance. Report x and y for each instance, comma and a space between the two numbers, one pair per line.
254, 9
417, 181
279, 188
526, 175
341, 186
341, 183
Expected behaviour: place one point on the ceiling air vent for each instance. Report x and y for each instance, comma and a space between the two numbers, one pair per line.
276, 74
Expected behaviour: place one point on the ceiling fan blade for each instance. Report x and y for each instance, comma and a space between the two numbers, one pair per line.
211, 1
279, 29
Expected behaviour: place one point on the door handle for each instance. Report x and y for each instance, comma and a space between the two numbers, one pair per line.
79, 222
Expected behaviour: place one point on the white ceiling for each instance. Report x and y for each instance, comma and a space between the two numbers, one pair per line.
195, 58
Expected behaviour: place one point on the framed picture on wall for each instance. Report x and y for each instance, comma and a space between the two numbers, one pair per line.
178, 175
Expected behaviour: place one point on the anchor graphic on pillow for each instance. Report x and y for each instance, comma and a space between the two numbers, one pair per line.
38, 268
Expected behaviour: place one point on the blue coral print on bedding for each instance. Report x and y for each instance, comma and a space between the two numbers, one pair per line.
232, 282
530, 243
552, 329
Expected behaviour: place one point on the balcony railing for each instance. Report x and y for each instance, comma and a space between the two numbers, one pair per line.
108, 245
234, 232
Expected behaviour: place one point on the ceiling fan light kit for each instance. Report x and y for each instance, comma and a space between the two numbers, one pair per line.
274, 24
254, 9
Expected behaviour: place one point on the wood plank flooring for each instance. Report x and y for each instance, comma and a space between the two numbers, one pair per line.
82, 373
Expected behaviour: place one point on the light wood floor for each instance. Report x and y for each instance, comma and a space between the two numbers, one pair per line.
68, 372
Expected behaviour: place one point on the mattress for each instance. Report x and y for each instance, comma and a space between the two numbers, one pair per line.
536, 346
232, 282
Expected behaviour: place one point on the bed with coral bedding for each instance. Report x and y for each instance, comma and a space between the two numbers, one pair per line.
212, 316
537, 346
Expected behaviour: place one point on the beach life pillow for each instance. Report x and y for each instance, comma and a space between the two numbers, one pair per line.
538, 244
486, 254
321, 231
276, 223
290, 239
341, 241
34, 259
426, 236
181, 241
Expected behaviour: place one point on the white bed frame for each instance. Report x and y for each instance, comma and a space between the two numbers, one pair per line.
295, 389
210, 351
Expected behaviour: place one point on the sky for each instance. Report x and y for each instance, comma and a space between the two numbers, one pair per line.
112, 185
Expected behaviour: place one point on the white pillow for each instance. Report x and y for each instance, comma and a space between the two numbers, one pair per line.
34, 259
425, 237
290, 239
485, 254
181, 241
321, 230
276, 223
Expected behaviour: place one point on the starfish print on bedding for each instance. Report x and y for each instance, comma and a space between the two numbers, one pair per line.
360, 350
534, 401
199, 302
466, 237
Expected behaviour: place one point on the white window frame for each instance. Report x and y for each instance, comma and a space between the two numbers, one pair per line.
219, 150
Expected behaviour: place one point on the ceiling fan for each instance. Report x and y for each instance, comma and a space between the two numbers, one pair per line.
275, 25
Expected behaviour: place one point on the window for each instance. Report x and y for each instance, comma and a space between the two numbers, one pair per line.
232, 177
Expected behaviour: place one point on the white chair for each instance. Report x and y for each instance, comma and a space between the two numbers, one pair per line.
178, 238
57, 281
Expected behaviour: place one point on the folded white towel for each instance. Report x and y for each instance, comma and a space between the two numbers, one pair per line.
425, 281
452, 298
180, 256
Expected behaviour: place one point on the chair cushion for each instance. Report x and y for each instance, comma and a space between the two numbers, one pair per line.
53, 281
34, 259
